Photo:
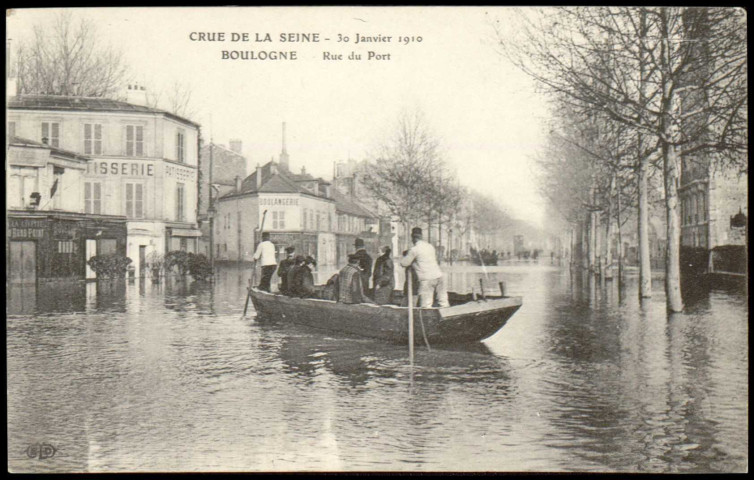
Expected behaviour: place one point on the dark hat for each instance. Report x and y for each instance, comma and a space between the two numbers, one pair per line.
298, 259
405, 252
416, 232
359, 243
290, 249
387, 249
265, 235
310, 260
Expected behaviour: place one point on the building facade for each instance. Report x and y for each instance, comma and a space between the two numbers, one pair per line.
49, 235
228, 167
143, 165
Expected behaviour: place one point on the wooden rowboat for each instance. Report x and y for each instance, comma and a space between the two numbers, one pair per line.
465, 320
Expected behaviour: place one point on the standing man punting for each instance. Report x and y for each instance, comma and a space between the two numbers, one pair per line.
423, 259
265, 255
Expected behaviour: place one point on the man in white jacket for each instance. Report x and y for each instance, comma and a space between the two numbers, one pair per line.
423, 258
265, 255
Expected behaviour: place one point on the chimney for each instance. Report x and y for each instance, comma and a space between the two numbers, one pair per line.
238, 183
259, 176
284, 159
11, 85
136, 95
236, 146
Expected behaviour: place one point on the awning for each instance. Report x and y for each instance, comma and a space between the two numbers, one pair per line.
185, 232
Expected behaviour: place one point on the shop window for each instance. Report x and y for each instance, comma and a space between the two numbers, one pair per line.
66, 246
92, 139
51, 133
107, 246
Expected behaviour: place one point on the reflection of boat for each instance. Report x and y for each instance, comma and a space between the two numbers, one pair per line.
466, 320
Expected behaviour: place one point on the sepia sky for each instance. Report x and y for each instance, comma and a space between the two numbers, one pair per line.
486, 113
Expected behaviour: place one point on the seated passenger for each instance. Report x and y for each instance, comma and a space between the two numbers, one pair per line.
350, 289
298, 261
303, 281
285, 265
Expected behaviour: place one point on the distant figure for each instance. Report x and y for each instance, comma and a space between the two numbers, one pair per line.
265, 254
350, 287
414, 285
431, 279
365, 263
285, 265
383, 278
303, 280
298, 261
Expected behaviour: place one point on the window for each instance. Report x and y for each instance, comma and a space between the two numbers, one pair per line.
278, 220
184, 244
66, 246
695, 210
179, 146
92, 139
135, 200
305, 223
93, 197
319, 223
180, 202
134, 140
51, 132
702, 208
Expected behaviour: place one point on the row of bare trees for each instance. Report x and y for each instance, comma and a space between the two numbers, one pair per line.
409, 176
70, 57
638, 90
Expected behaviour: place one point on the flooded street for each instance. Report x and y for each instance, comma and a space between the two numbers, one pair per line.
170, 377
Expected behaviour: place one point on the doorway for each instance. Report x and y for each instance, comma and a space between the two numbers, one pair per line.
23, 262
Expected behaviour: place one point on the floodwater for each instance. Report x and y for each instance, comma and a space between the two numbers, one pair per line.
169, 377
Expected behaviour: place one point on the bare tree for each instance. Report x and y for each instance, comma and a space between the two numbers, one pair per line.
175, 99
398, 173
69, 58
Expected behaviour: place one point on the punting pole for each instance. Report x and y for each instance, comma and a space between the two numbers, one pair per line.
502, 288
253, 278
410, 317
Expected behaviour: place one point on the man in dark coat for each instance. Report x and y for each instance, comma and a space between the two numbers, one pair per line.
383, 278
349, 286
298, 261
365, 263
303, 280
285, 265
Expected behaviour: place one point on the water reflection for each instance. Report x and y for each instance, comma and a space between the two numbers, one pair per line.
168, 376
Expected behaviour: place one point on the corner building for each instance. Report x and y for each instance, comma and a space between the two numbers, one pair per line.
143, 164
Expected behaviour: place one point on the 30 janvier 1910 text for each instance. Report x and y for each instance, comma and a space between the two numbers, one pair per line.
356, 38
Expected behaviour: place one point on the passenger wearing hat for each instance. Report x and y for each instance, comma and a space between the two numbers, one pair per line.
349, 286
303, 281
365, 263
284, 267
383, 278
265, 255
298, 261
423, 259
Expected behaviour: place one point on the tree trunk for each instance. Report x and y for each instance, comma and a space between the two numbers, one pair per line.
609, 228
673, 258
620, 235
670, 173
645, 267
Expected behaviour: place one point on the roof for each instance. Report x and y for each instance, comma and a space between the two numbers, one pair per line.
25, 142
276, 179
85, 104
346, 204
